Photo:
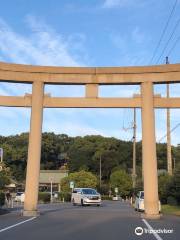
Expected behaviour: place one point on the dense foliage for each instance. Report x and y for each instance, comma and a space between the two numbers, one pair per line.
4, 179
169, 187
80, 179
79, 153
122, 181
44, 197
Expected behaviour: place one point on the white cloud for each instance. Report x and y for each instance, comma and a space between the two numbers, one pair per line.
65, 90
126, 44
138, 36
118, 91
71, 128
14, 89
118, 3
43, 46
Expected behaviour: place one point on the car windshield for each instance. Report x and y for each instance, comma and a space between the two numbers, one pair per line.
18, 193
142, 195
89, 191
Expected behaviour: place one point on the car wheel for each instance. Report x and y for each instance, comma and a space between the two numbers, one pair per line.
74, 204
138, 209
98, 205
82, 203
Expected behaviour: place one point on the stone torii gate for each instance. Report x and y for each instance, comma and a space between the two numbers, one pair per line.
38, 76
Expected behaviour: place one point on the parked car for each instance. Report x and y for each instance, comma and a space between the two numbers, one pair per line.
139, 202
55, 195
85, 196
20, 197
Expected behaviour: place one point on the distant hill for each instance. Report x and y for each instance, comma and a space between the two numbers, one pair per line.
77, 153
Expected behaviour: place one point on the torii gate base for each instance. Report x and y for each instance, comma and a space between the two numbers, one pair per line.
91, 78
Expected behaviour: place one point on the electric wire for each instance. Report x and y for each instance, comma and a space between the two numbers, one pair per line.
164, 31
168, 41
173, 129
174, 45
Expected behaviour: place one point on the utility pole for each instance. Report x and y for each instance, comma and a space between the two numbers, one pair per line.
1, 154
100, 159
134, 150
169, 155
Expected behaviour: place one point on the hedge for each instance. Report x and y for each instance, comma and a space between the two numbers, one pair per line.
65, 196
44, 197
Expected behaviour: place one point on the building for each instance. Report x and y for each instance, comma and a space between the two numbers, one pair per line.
54, 176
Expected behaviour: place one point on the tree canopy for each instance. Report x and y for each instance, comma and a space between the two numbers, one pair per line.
123, 181
78, 153
81, 179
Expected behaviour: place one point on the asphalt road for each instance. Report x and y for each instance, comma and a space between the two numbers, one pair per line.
113, 220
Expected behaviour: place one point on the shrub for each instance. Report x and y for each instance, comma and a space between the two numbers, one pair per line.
44, 197
104, 189
80, 179
106, 197
2, 199
122, 181
163, 183
171, 201
66, 196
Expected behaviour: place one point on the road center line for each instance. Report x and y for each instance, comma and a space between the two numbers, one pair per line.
150, 228
17, 224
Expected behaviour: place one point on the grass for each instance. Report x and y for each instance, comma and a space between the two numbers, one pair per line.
169, 209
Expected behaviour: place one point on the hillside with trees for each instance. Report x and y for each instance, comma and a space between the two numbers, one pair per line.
78, 153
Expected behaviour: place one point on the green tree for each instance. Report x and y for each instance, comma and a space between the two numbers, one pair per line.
122, 181
4, 179
80, 179
174, 185
163, 183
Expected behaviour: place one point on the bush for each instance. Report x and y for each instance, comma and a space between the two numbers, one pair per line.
104, 189
66, 196
163, 184
2, 199
106, 197
171, 201
81, 179
44, 197
122, 181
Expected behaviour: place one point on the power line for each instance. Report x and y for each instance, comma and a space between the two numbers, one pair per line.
174, 45
163, 32
174, 128
168, 41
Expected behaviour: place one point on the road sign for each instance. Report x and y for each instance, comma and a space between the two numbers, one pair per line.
71, 184
116, 190
51, 179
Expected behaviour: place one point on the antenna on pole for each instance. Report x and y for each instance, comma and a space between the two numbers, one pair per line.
167, 60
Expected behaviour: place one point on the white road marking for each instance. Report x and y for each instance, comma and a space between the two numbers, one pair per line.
150, 228
17, 224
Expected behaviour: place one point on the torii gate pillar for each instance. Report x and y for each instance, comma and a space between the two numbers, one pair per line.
34, 151
150, 175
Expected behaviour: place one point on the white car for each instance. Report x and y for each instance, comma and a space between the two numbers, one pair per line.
139, 202
85, 196
19, 197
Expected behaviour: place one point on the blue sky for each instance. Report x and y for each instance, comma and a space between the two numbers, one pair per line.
86, 33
